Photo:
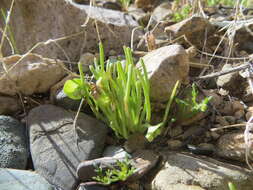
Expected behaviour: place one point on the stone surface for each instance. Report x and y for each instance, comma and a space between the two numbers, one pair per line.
115, 152
142, 160
13, 151
9, 105
65, 102
162, 11
165, 66
232, 146
59, 156
114, 27
185, 172
139, 15
231, 82
22, 180
192, 27
174, 144
32, 74
88, 186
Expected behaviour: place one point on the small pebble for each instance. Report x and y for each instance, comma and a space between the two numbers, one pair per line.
174, 144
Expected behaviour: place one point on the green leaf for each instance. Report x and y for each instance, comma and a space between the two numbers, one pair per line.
154, 131
231, 186
72, 88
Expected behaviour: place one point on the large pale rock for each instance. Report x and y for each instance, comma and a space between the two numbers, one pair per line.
29, 74
13, 144
165, 66
185, 172
35, 21
22, 180
53, 143
232, 146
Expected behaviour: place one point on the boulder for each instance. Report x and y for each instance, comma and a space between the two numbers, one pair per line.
186, 172
29, 74
232, 146
166, 66
64, 19
22, 180
59, 156
13, 143
196, 29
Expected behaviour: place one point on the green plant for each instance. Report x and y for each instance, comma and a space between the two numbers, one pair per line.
120, 97
231, 186
10, 33
125, 4
120, 172
189, 107
182, 13
226, 2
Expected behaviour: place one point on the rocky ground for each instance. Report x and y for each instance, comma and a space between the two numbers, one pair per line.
211, 46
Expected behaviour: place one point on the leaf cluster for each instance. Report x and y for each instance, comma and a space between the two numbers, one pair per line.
120, 172
120, 97
189, 107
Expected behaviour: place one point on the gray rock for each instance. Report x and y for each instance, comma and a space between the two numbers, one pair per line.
192, 27
232, 146
64, 101
59, 156
232, 82
32, 74
87, 186
162, 11
139, 15
13, 147
9, 105
22, 180
115, 152
165, 66
185, 172
65, 18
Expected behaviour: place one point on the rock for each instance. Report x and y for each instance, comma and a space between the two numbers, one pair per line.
65, 102
142, 160
237, 106
86, 60
165, 66
231, 146
226, 108
135, 142
175, 131
114, 27
162, 11
231, 82
144, 4
32, 74
113, 5
207, 147
59, 156
139, 15
115, 152
22, 180
174, 144
92, 186
192, 27
239, 114
230, 119
185, 172
9, 105
221, 120
13, 151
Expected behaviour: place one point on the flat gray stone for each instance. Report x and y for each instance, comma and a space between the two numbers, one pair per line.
22, 180
13, 147
186, 172
53, 143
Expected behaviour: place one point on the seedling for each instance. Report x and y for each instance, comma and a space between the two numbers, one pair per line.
120, 97
231, 186
120, 172
189, 107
